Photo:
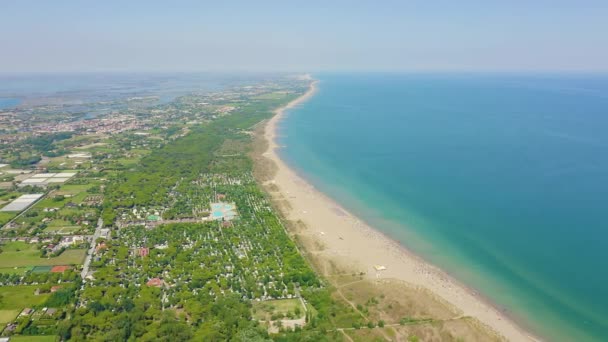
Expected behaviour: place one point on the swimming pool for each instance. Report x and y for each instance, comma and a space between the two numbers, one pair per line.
221, 210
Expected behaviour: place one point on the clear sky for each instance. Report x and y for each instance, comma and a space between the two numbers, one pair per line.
306, 35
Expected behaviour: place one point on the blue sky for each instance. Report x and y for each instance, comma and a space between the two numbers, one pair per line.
303, 35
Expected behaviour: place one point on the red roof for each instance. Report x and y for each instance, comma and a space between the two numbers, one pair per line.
155, 282
55, 288
100, 247
60, 269
144, 251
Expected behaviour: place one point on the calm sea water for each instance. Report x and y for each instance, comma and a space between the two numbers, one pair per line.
500, 180
8, 102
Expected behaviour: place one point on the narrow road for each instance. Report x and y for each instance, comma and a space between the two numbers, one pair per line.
87, 260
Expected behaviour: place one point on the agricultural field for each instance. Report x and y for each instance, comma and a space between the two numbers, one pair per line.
64, 162
21, 254
15, 270
6, 216
8, 315
71, 189
20, 297
62, 227
70, 208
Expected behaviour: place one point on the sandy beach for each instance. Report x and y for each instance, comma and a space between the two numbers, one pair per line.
352, 244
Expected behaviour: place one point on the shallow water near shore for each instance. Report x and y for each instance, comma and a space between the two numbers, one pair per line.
500, 180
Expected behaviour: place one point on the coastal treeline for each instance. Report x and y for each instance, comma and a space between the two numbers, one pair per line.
197, 280
184, 159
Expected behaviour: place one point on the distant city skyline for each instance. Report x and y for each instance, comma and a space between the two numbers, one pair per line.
140, 36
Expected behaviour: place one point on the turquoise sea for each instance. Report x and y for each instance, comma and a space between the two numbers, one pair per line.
501, 180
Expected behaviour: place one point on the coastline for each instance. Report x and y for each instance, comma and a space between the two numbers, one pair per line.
355, 246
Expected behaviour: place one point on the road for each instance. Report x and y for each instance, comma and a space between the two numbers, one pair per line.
87, 260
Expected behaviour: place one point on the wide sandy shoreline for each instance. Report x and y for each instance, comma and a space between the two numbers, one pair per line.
355, 245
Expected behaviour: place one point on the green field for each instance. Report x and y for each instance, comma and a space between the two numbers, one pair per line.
20, 254
75, 193
58, 223
14, 270
76, 188
15, 246
7, 216
125, 162
264, 310
7, 316
61, 227
62, 230
20, 297
67, 211
54, 203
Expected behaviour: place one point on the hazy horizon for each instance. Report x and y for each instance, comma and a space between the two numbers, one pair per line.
189, 36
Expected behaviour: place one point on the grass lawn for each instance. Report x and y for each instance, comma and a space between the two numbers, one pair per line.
20, 297
58, 226
97, 148
8, 315
40, 338
51, 203
14, 270
79, 197
75, 193
15, 246
58, 223
7, 216
126, 162
60, 164
264, 310
19, 254
76, 211
62, 230
73, 189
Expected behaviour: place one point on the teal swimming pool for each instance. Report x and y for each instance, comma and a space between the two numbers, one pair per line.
224, 211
